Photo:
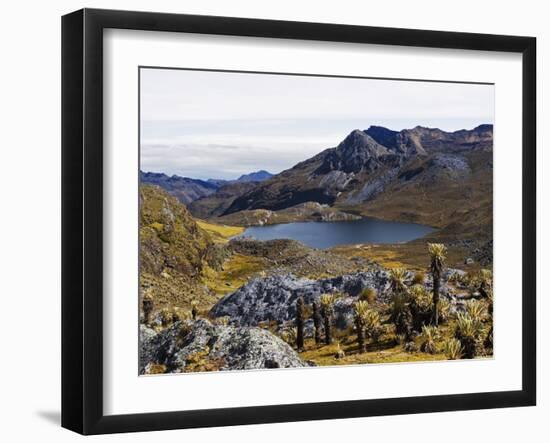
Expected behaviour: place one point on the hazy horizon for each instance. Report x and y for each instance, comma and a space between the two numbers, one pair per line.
219, 125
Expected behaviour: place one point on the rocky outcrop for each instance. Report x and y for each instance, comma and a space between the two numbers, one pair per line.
274, 298
421, 140
309, 211
186, 345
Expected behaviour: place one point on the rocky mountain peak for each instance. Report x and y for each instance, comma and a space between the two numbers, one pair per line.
382, 135
359, 140
358, 151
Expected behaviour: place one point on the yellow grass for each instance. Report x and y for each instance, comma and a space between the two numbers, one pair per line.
413, 255
385, 352
220, 233
236, 272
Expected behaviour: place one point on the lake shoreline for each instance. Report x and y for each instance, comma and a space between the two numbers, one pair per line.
327, 234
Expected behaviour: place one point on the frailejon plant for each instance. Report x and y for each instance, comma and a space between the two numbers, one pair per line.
289, 335
317, 322
194, 309
452, 349
147, 304
420, 305
485, 282
400, 313
476, 310
165, 317
300, 324
327, 311
428, 338
361, 309
397, 281
438, 253
373, 326
444, 309
468, 331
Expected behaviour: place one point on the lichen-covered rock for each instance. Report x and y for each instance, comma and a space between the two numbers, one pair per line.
202, 345
274, 298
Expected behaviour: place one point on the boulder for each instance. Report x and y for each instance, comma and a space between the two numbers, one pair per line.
215, 347
273, 298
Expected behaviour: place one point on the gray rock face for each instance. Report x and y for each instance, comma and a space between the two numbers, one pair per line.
373, 187
231, 348
274, 298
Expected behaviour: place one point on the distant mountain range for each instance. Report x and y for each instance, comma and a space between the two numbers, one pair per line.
366, 163
258, 176
422, 174
188, 190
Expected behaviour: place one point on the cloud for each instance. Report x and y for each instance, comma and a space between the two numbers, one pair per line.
221, 125
209, 157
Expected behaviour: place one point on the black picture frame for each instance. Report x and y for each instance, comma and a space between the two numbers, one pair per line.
82, 218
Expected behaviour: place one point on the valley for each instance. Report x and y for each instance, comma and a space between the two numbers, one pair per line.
206, 288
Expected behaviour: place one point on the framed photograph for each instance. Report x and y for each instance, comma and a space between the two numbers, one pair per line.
268, 221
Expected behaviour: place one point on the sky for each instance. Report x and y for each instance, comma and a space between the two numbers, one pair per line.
203, 125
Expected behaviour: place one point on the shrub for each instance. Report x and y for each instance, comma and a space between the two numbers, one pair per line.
455, 277
427, 339
419, 278
165, 317
410, 347
373, 326
469, 331
184, 331
472, 282
222, 321
476, 310
339, 352
420, 306
368, 295
201, 361
153, 369
444, 310
452, 349
289, 335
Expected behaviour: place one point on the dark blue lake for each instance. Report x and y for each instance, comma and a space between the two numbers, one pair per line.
328, 234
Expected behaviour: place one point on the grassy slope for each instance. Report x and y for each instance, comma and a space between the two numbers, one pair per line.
219, 233
180, 256
459, 207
